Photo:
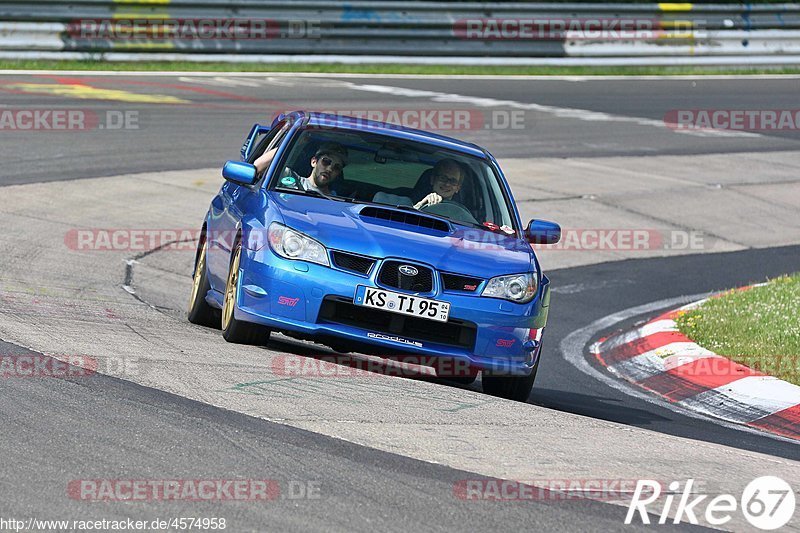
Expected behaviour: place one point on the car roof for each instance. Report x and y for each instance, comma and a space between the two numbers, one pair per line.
391, 130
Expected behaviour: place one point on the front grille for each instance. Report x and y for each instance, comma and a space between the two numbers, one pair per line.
354, 263
455, 282
405, 217
456, 333
391, 276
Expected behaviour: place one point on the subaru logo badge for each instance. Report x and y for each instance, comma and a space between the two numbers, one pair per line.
408, 270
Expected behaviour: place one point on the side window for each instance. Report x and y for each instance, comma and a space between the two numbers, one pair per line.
283, 129
269, 140
273, 139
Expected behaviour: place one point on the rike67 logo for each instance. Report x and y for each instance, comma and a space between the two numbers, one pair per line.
767, 503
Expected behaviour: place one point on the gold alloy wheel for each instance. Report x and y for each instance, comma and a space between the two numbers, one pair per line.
230, 290
198, 271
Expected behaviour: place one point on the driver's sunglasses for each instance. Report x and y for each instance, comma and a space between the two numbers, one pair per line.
328, 162
447, 180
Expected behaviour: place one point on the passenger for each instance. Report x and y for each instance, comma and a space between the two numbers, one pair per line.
446, 180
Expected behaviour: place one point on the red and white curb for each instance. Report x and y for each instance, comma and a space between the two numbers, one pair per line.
658, 358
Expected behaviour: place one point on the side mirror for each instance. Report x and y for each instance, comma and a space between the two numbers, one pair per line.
240, 173
543, 232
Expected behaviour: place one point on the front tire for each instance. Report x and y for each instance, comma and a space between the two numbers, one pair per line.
455, 371
516, 388
464, 380
233, 330
200, 312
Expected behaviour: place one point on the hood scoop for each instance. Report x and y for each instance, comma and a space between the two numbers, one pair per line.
407, 218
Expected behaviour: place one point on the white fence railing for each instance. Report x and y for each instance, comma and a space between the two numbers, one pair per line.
413, 31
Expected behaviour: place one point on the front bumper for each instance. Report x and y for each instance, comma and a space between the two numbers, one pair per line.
316, 301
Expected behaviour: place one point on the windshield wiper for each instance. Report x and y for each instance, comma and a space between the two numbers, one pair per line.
312, 192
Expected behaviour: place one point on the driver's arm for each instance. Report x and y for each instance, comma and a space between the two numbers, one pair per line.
264, 160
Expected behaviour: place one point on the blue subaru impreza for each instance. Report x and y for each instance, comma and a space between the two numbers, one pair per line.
370, 237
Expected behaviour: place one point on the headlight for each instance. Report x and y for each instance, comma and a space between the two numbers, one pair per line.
292, 244
519, 288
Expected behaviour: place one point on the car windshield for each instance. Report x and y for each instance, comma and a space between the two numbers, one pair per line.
369, 167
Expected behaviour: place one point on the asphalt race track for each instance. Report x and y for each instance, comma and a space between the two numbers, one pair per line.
174, 401
88, 437
212, 115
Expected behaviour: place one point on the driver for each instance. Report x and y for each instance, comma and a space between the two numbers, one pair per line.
327, 165
446, 180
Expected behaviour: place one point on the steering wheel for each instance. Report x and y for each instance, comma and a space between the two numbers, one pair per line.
451, 209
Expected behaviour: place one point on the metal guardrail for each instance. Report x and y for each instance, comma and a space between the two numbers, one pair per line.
407, 29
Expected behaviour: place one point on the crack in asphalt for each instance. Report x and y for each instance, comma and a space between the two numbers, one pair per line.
127, 284
136, 332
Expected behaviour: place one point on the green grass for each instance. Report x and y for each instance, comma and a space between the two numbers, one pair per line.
759, 327
326, 68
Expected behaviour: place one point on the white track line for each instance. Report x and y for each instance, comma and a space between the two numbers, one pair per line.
560, 112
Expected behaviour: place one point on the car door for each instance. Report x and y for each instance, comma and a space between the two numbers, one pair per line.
228, 207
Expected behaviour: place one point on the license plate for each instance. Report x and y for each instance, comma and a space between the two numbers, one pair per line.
403, 304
